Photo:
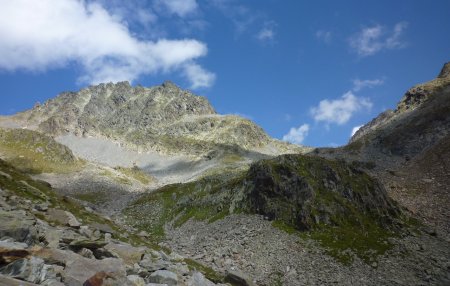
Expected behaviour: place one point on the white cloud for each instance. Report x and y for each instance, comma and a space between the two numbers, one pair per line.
297, 135
198, 76
324, 36
371, 40
355, 129
179, 7
267, 32
45, 34
369, 83
339, 111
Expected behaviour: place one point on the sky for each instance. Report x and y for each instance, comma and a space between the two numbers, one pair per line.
308, 72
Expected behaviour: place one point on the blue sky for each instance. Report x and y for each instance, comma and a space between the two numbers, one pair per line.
306, 71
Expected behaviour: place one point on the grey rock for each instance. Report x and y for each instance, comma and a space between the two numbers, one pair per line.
164, 277
136, 280
79, 269
25, 269
238, 279
8, 281
198, 279
17, 225
128, 253
63, 217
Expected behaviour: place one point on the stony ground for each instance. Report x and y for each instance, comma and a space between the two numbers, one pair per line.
273, 257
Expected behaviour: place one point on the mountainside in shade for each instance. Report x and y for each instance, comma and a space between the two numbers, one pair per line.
164, 118
421, 120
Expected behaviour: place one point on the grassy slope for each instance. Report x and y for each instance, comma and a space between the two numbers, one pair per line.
35, 153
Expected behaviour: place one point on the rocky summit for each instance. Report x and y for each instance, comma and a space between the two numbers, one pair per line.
122, 185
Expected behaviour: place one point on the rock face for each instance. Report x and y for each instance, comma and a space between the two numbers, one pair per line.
307, 192
162, 118
421, 119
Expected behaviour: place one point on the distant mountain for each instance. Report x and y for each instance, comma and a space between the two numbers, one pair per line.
163, 118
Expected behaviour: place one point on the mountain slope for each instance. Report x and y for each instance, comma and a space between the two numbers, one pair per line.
164, 118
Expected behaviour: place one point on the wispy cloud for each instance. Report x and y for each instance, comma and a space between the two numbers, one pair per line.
267, 32
371, 40
46, 34
324, 36
366, 83
297, 135
339, 111
181, 8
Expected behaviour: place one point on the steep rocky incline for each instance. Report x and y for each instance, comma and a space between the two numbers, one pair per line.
163, 118
421, 119
47, 239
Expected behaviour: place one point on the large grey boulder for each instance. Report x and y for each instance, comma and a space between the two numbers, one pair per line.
63, 217
8, 281
128, 253
198, 279
79, 269
25, 269
17, 225
136, 280
164, 277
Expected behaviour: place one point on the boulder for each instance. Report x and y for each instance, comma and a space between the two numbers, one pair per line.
79, 269
8, 281
128, 253
25, 269
164, 277
104, 228
86, 243
237, 278
198, 279
8, 255
63, 217
136, 280
17, 225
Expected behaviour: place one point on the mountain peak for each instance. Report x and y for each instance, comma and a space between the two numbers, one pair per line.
445, 72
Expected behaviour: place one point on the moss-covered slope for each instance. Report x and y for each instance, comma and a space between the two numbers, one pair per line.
34, 152
331, 201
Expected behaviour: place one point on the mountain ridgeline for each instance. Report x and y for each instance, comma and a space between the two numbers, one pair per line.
164, 118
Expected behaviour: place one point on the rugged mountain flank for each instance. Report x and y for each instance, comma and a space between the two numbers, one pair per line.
164, 118
421, 120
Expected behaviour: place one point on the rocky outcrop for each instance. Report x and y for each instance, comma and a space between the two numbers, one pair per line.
309, 192
420, 121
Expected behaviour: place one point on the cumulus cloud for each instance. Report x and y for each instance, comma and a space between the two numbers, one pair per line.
179, 7
324, 36
45, 34
339, 111
297, 135
372, 40
369, 83
355, 129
